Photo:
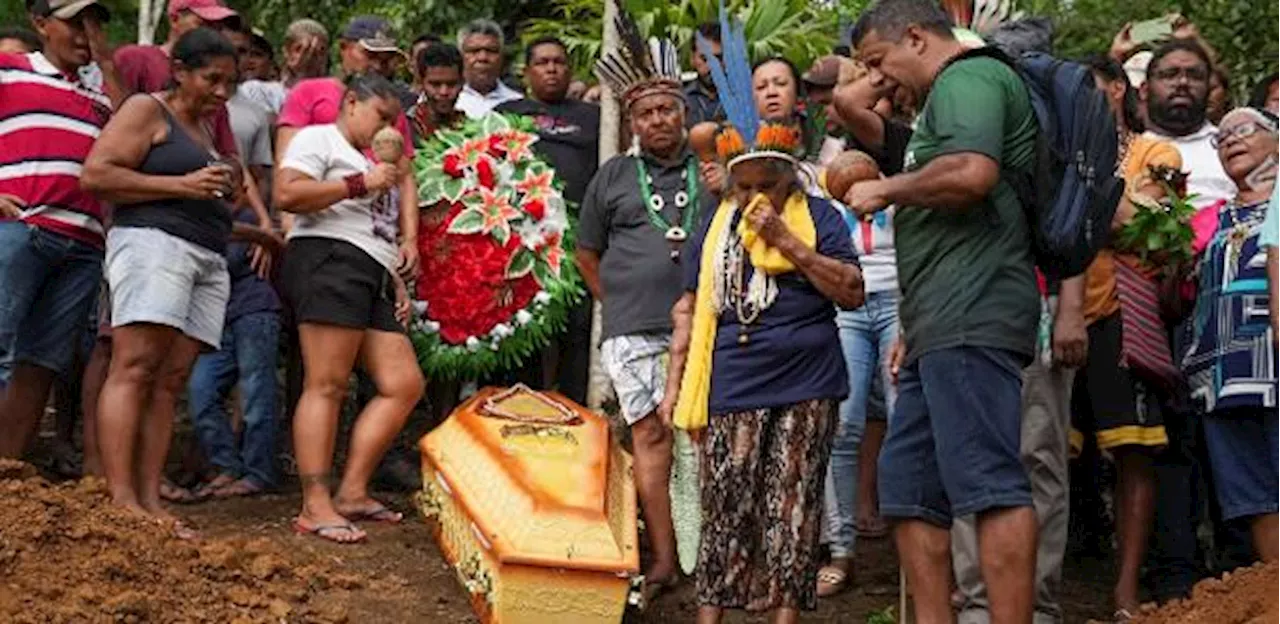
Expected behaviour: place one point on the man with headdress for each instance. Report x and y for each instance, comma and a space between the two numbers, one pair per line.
636, 213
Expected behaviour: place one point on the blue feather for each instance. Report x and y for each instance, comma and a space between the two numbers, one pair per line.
733, 77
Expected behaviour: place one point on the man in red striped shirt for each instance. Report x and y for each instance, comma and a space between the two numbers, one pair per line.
51, 232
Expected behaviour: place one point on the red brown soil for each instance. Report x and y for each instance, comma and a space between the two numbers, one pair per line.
1246, 596
67, 555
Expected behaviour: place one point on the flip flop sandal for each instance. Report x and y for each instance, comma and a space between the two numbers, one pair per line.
209, 489
1122, 615
176, 494
831, 581
328, 532
240, 488
380, 513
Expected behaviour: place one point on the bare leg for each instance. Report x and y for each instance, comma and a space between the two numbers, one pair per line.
157, 422
1135, 506
786, 615
95, 376
137, 355
1007, 554
329, 353
868, 458
925, 551
22, 406
710, 615
652, 442
391, 363
1264, 536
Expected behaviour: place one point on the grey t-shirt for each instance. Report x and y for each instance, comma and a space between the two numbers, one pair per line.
639, 279
251, 125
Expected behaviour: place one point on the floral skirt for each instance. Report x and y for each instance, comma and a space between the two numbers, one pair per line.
763, 473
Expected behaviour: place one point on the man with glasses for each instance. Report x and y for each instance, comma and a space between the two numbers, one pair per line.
481, 45
1176, 95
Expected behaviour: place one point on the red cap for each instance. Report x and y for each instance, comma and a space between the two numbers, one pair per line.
207, 10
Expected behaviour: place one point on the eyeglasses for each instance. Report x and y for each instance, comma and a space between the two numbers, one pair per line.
1239, 132
1172, 74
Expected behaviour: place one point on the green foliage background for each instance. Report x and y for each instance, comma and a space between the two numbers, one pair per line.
1244, 32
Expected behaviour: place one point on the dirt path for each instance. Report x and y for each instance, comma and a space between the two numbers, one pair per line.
66, 555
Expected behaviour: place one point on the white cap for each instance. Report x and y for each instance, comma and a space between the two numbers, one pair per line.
1136, 68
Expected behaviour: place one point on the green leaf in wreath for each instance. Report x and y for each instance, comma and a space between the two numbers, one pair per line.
453, 188
492, 123
501, 234
1155, 241
521, 263
542, 273
468, 221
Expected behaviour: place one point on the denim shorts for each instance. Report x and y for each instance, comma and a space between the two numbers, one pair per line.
1242, 447
49, 283
953, 444
156, 277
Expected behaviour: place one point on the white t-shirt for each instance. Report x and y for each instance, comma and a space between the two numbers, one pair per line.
1206, 178
369, 223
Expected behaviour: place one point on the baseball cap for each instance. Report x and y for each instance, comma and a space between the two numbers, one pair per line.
67, 9
207, 10
373, 33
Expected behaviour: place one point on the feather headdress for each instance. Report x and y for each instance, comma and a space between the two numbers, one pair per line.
744, 136
638, 69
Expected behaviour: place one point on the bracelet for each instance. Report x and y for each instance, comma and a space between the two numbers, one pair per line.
355, 186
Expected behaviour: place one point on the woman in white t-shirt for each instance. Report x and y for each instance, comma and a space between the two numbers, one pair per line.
340, 280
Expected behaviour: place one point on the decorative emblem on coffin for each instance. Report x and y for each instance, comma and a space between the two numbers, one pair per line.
534, 506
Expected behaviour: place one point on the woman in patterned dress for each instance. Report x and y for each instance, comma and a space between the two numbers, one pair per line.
756, 352
1231, 361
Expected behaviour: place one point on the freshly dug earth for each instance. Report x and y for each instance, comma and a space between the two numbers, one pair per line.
1246, 596
67, 554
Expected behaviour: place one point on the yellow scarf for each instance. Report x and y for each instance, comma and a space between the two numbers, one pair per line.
695, 387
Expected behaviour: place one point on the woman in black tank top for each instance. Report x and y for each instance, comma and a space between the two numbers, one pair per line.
157, 162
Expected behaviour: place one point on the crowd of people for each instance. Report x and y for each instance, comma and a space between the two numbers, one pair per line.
181, 220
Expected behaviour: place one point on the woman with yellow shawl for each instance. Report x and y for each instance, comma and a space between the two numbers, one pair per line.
756, 367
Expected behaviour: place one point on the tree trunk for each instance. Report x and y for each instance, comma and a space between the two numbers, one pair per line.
149, 13
610, 122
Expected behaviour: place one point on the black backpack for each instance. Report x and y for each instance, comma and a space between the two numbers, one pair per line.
1071, 192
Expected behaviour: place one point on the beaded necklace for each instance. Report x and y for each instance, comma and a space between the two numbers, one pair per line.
683, 200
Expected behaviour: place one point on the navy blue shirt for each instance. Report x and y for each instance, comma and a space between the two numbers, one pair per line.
793, 351
249, 293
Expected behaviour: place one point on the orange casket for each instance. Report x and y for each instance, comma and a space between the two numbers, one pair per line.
534, 506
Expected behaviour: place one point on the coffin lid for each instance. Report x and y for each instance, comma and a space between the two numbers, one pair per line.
540, 479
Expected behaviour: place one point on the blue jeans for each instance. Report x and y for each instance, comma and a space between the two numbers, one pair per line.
49, 282
249, 347
867, 336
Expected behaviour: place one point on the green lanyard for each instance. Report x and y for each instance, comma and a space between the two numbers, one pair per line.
655, 203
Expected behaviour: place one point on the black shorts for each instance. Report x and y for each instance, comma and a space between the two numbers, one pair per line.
332, 282
1111, 403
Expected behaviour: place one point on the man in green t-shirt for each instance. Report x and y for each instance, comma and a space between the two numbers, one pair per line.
969, 308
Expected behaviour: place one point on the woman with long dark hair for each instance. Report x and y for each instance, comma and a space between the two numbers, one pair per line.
157, 161
349, 303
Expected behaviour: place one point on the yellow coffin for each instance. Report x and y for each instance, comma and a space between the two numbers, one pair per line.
534, 506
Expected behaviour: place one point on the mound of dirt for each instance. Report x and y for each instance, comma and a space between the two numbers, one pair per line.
1246, 596
67, 554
